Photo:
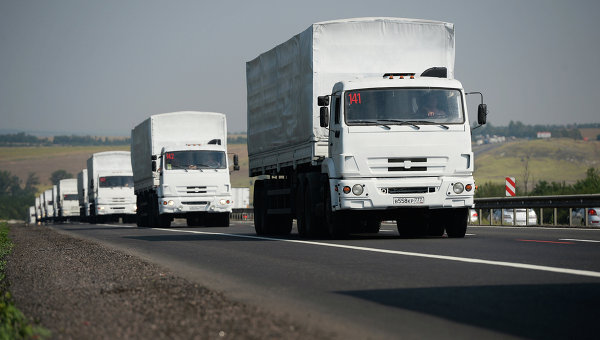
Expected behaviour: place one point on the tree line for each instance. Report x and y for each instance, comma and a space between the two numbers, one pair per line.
520, 130
23, 139
589, 185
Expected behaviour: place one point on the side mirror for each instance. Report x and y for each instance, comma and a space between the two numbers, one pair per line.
482, 114
324, 116
323, 100
153, 165
236, 163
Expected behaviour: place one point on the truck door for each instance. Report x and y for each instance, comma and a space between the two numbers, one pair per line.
335, 126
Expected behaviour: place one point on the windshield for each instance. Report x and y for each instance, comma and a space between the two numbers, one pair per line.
71, 197
116, 181
416, 105
198, 159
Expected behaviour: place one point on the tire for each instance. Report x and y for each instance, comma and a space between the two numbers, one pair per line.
412, 225
334, 221
437, 223
259, 210
311, 224
457, 223
300, 211
372, 226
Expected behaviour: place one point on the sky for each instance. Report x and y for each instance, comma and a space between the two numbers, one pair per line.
101, 67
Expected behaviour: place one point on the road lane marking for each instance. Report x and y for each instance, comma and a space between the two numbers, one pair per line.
542, 241
405, 253
576, 240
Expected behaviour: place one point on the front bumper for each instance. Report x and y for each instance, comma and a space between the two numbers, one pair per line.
392, 193
116, 209
184, 205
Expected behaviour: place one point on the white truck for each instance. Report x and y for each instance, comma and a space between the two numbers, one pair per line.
356, 121
38, 208
84, 205
48, 205
110, 187
67, 200
32, 218
241, 198
181, 169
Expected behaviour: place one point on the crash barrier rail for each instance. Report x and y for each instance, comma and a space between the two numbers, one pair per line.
537, 202
242, 214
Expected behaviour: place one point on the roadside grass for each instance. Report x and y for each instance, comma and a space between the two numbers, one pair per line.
554, 160
13, 324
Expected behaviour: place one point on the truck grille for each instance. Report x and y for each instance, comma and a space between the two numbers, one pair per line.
407, 190
407, 164
194, 190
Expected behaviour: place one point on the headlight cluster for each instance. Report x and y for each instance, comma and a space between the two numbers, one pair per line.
224, 202
357, 189
168, 202
459, 188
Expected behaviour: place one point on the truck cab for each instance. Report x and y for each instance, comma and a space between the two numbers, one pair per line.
399, 142
114, 194
194, 178
396, 142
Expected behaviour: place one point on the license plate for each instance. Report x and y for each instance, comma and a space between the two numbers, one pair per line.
408, 200
195, 208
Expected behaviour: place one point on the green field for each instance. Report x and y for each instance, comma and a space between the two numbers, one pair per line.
553, 160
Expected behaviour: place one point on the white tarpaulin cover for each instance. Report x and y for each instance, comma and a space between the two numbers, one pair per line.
170, 130
284, 82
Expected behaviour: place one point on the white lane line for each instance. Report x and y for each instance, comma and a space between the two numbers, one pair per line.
576, 240
405, 253
530, 227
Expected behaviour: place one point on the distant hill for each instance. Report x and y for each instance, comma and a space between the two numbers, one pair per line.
555, 159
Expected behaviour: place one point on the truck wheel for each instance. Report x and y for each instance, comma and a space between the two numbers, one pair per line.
311, 225
218, 220
457, 222
335, 221
300, 215
373, 226
259, 210
437, 223
411, 225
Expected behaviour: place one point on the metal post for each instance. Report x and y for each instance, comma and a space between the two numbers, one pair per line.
555, 216
570, 217
541, 216
491, 216
515, 216
585, 211
479, 215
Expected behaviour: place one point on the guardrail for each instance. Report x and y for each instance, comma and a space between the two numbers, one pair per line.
538, 202
243, 214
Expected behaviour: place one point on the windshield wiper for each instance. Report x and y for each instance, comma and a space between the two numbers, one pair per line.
376, 122
412, 123
177, 166
415, 122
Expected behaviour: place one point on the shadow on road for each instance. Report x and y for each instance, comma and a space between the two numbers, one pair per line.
553, 311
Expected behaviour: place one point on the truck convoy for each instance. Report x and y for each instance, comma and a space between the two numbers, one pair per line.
356, 121
84, 205
67, 200
181, 169
110, 187
48, 206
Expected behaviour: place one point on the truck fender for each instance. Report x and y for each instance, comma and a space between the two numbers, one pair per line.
328, 167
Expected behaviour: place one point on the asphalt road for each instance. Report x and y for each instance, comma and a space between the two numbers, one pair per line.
497, 282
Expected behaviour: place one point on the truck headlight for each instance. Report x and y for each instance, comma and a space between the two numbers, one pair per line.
357, 189
224, 202
458, 188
